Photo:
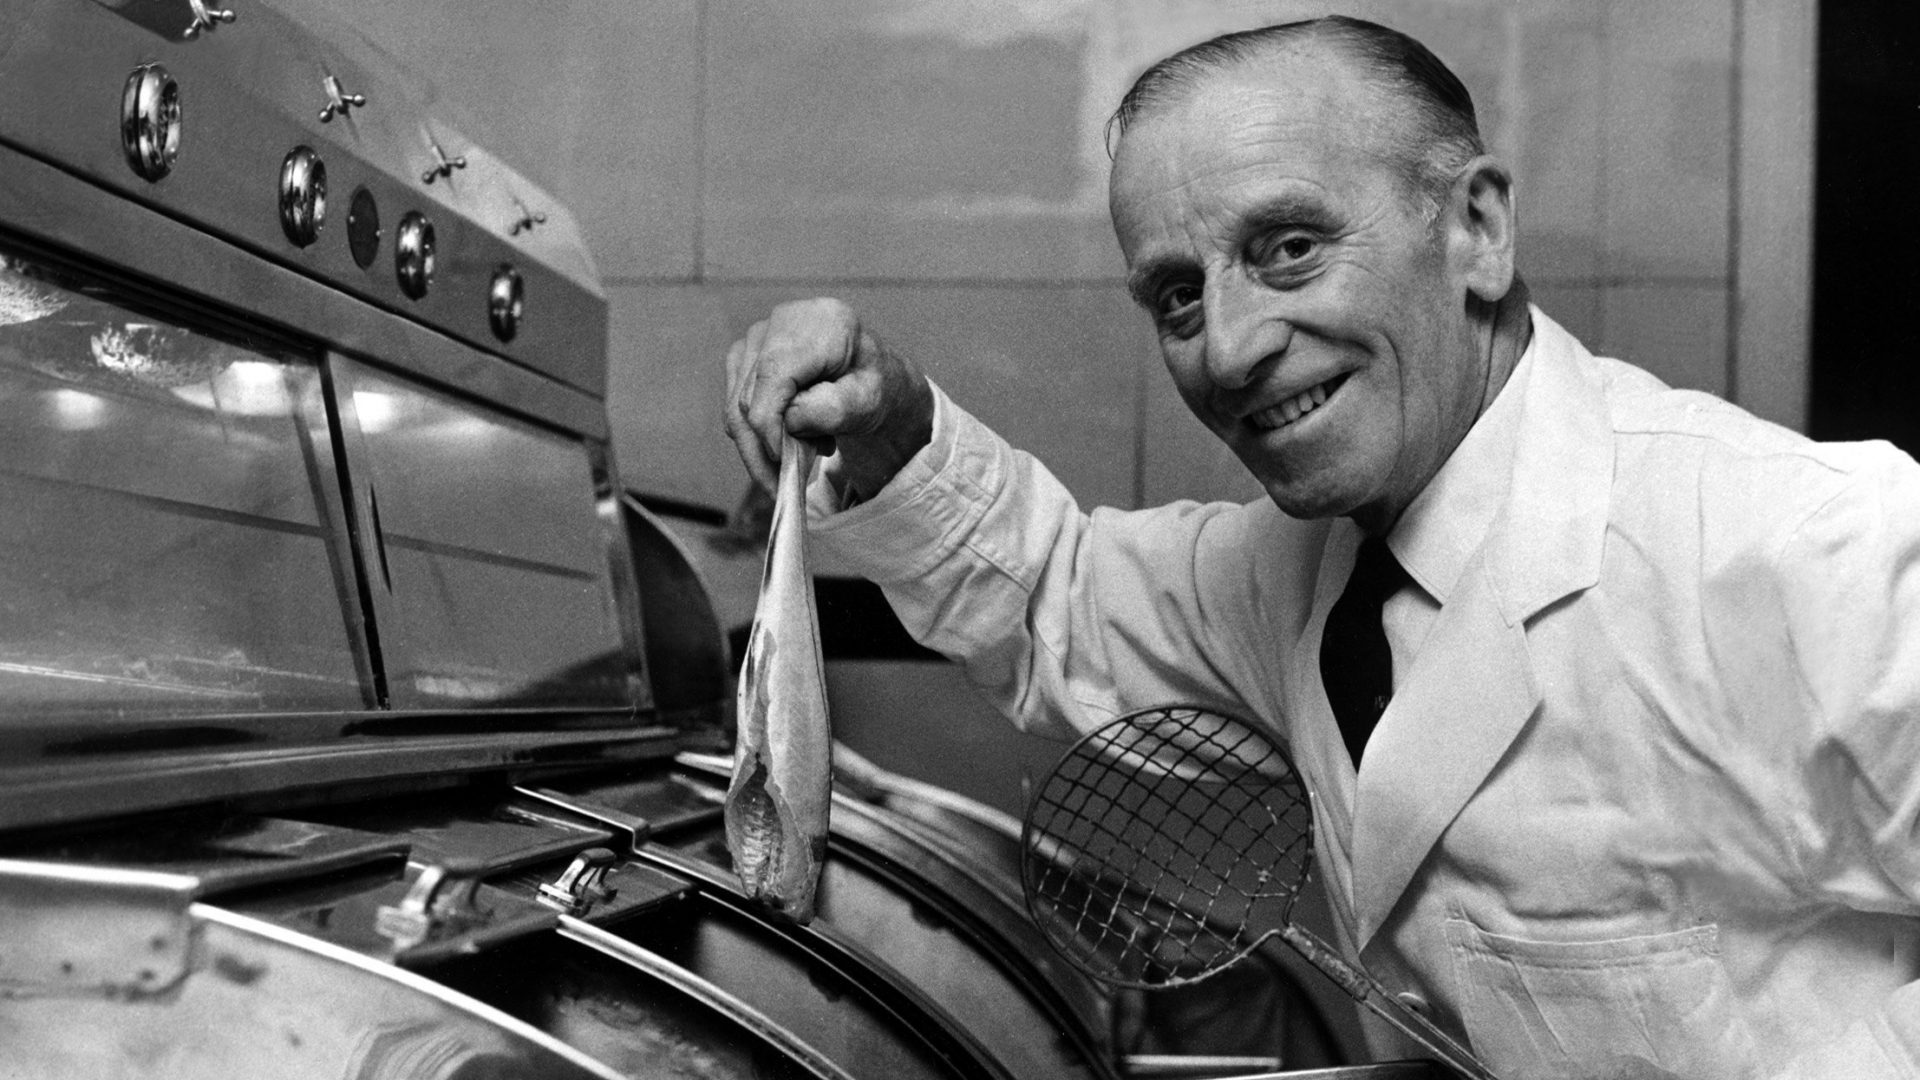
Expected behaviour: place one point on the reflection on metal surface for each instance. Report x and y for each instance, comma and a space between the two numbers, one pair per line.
506, 300
225, 854
378, 412
677, 980
303, 195
150, 121
77, 410
501, 592
339, 102
242, 388
163, 549
204, 18
263, 1001
413, 254
81, 930
22, 299
157, 355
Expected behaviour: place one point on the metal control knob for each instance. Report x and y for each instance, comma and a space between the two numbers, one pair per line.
150, 121
413, 254
506, 300
303, 195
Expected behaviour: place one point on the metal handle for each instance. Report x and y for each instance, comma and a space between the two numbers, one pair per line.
204, 18
440, 900
1363, 989
338, 100
528, 219
582, 885
445, 167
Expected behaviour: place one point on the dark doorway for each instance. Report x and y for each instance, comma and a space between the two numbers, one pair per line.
1866, 224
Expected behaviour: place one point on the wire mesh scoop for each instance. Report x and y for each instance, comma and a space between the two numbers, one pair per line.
1170, 843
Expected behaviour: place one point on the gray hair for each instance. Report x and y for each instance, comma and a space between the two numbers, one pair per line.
1444, 136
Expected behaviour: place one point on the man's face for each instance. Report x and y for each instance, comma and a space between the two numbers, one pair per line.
1309, 313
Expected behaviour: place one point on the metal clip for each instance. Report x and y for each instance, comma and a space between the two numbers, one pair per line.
438, 903
204, 18
445, 167
528, 219
338, 100
582, 884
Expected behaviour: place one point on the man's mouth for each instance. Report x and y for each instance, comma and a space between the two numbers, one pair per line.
1292, 409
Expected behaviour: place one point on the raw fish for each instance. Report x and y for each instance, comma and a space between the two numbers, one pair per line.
777, 803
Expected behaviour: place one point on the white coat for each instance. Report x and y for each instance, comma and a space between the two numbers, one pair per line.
1648, 796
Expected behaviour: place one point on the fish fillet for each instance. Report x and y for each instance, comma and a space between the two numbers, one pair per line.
777, 803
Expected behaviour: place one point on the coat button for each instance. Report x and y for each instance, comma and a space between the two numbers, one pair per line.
1412, 1001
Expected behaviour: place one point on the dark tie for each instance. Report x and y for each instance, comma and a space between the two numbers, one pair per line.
1354, 661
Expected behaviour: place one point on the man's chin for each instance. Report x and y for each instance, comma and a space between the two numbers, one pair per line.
1297, 501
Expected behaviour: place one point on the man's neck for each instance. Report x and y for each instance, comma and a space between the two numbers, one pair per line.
1510, 334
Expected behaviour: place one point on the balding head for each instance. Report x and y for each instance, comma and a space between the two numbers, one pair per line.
1435, 137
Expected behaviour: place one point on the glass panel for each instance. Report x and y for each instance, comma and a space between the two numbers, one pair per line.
162, 549
496, 584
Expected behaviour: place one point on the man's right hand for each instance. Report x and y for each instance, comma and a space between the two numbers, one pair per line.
811, 370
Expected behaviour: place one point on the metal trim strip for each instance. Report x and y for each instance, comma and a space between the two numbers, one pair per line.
81, 789
705, 992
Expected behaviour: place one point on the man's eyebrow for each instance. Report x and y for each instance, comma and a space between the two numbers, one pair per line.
1144, 281
1288, 209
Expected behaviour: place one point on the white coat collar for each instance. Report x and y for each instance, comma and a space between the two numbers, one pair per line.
1471, 690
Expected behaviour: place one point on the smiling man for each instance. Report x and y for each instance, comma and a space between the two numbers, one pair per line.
1605, 691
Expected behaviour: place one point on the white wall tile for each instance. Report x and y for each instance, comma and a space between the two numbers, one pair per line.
1669, 125
1678, 332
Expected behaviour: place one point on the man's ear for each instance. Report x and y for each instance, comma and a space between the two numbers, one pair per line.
1481, 228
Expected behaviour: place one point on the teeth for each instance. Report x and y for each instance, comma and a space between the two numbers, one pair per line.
1293, 408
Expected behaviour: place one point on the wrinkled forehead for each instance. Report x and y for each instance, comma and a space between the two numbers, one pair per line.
1305, 102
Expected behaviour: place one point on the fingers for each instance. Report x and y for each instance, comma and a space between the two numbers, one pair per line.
741, 381
800, 348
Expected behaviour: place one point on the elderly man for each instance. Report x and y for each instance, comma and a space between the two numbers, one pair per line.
1643, 800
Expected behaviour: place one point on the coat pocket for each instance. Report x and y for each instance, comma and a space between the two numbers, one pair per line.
1635, 1007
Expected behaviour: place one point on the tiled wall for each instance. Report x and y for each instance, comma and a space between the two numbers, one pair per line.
939, 163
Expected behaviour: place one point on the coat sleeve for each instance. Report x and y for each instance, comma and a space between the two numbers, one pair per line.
1063, 618
1851, 596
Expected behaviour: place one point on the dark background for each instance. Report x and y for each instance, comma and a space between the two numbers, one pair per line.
1866, 235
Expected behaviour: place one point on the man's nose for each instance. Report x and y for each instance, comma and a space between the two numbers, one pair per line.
1243, 327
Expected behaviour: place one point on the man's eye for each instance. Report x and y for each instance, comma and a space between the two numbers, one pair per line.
1176, 298
1178, 309
1280, 249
